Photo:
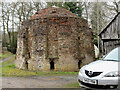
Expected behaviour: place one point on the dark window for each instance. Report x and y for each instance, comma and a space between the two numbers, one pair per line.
79, 63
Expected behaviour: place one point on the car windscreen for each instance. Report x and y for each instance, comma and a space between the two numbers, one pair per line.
114, 55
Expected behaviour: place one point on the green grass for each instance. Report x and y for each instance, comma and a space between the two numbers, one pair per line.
8, 62
72, 85
9, 70
5, 54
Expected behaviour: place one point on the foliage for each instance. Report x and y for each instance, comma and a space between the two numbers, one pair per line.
74, 7
96, 41
58, 4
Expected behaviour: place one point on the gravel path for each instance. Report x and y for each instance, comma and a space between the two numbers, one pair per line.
38, 82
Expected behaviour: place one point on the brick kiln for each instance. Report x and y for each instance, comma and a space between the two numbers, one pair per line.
54, 39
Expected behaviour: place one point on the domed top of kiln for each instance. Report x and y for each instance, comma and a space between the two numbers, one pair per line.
52, 12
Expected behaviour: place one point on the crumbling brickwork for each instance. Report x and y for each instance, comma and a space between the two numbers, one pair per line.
54, 39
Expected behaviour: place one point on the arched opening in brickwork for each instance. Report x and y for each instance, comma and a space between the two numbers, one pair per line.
52, 66
78, 38
26, 65
79, 63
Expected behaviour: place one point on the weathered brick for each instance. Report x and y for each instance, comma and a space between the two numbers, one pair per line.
54, 34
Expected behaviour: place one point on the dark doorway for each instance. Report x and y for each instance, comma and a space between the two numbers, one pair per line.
52, 67
78, 38
79, 63
26, 65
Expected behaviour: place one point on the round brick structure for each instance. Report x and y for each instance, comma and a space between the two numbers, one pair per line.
54, 39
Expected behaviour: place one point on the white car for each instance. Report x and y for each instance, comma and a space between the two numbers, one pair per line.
102, 74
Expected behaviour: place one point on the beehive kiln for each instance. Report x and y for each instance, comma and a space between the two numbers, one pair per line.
54, 39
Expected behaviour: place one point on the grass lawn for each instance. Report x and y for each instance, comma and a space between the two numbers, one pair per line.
9, 70
8, 62
72, 85
5, 54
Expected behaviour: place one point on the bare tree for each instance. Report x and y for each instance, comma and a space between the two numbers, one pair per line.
3, 24
12, 16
